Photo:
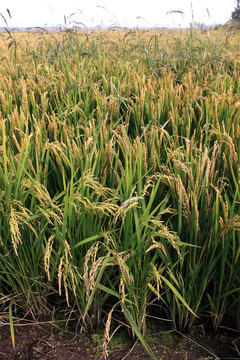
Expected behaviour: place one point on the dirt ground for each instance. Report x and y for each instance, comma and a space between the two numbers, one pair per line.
38, 342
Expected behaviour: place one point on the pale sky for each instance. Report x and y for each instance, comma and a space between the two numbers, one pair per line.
107, 13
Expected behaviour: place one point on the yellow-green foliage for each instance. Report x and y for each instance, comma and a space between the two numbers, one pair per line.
119, 173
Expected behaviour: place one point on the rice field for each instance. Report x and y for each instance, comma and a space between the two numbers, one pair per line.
120, 179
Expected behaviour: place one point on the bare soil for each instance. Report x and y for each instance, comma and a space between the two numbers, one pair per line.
38, 342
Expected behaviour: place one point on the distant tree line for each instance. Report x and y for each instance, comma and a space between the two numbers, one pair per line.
236, 12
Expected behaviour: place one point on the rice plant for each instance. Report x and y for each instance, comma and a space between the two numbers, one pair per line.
119, 177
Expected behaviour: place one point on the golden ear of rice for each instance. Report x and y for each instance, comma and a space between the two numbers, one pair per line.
14, 229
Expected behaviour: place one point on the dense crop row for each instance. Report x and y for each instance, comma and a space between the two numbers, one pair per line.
120, 177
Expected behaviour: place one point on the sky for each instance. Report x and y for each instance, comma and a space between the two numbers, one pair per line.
111, 13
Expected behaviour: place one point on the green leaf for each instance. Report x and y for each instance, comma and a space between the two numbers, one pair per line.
178, 295
109, 291
11, 325
137, 331
87, 240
